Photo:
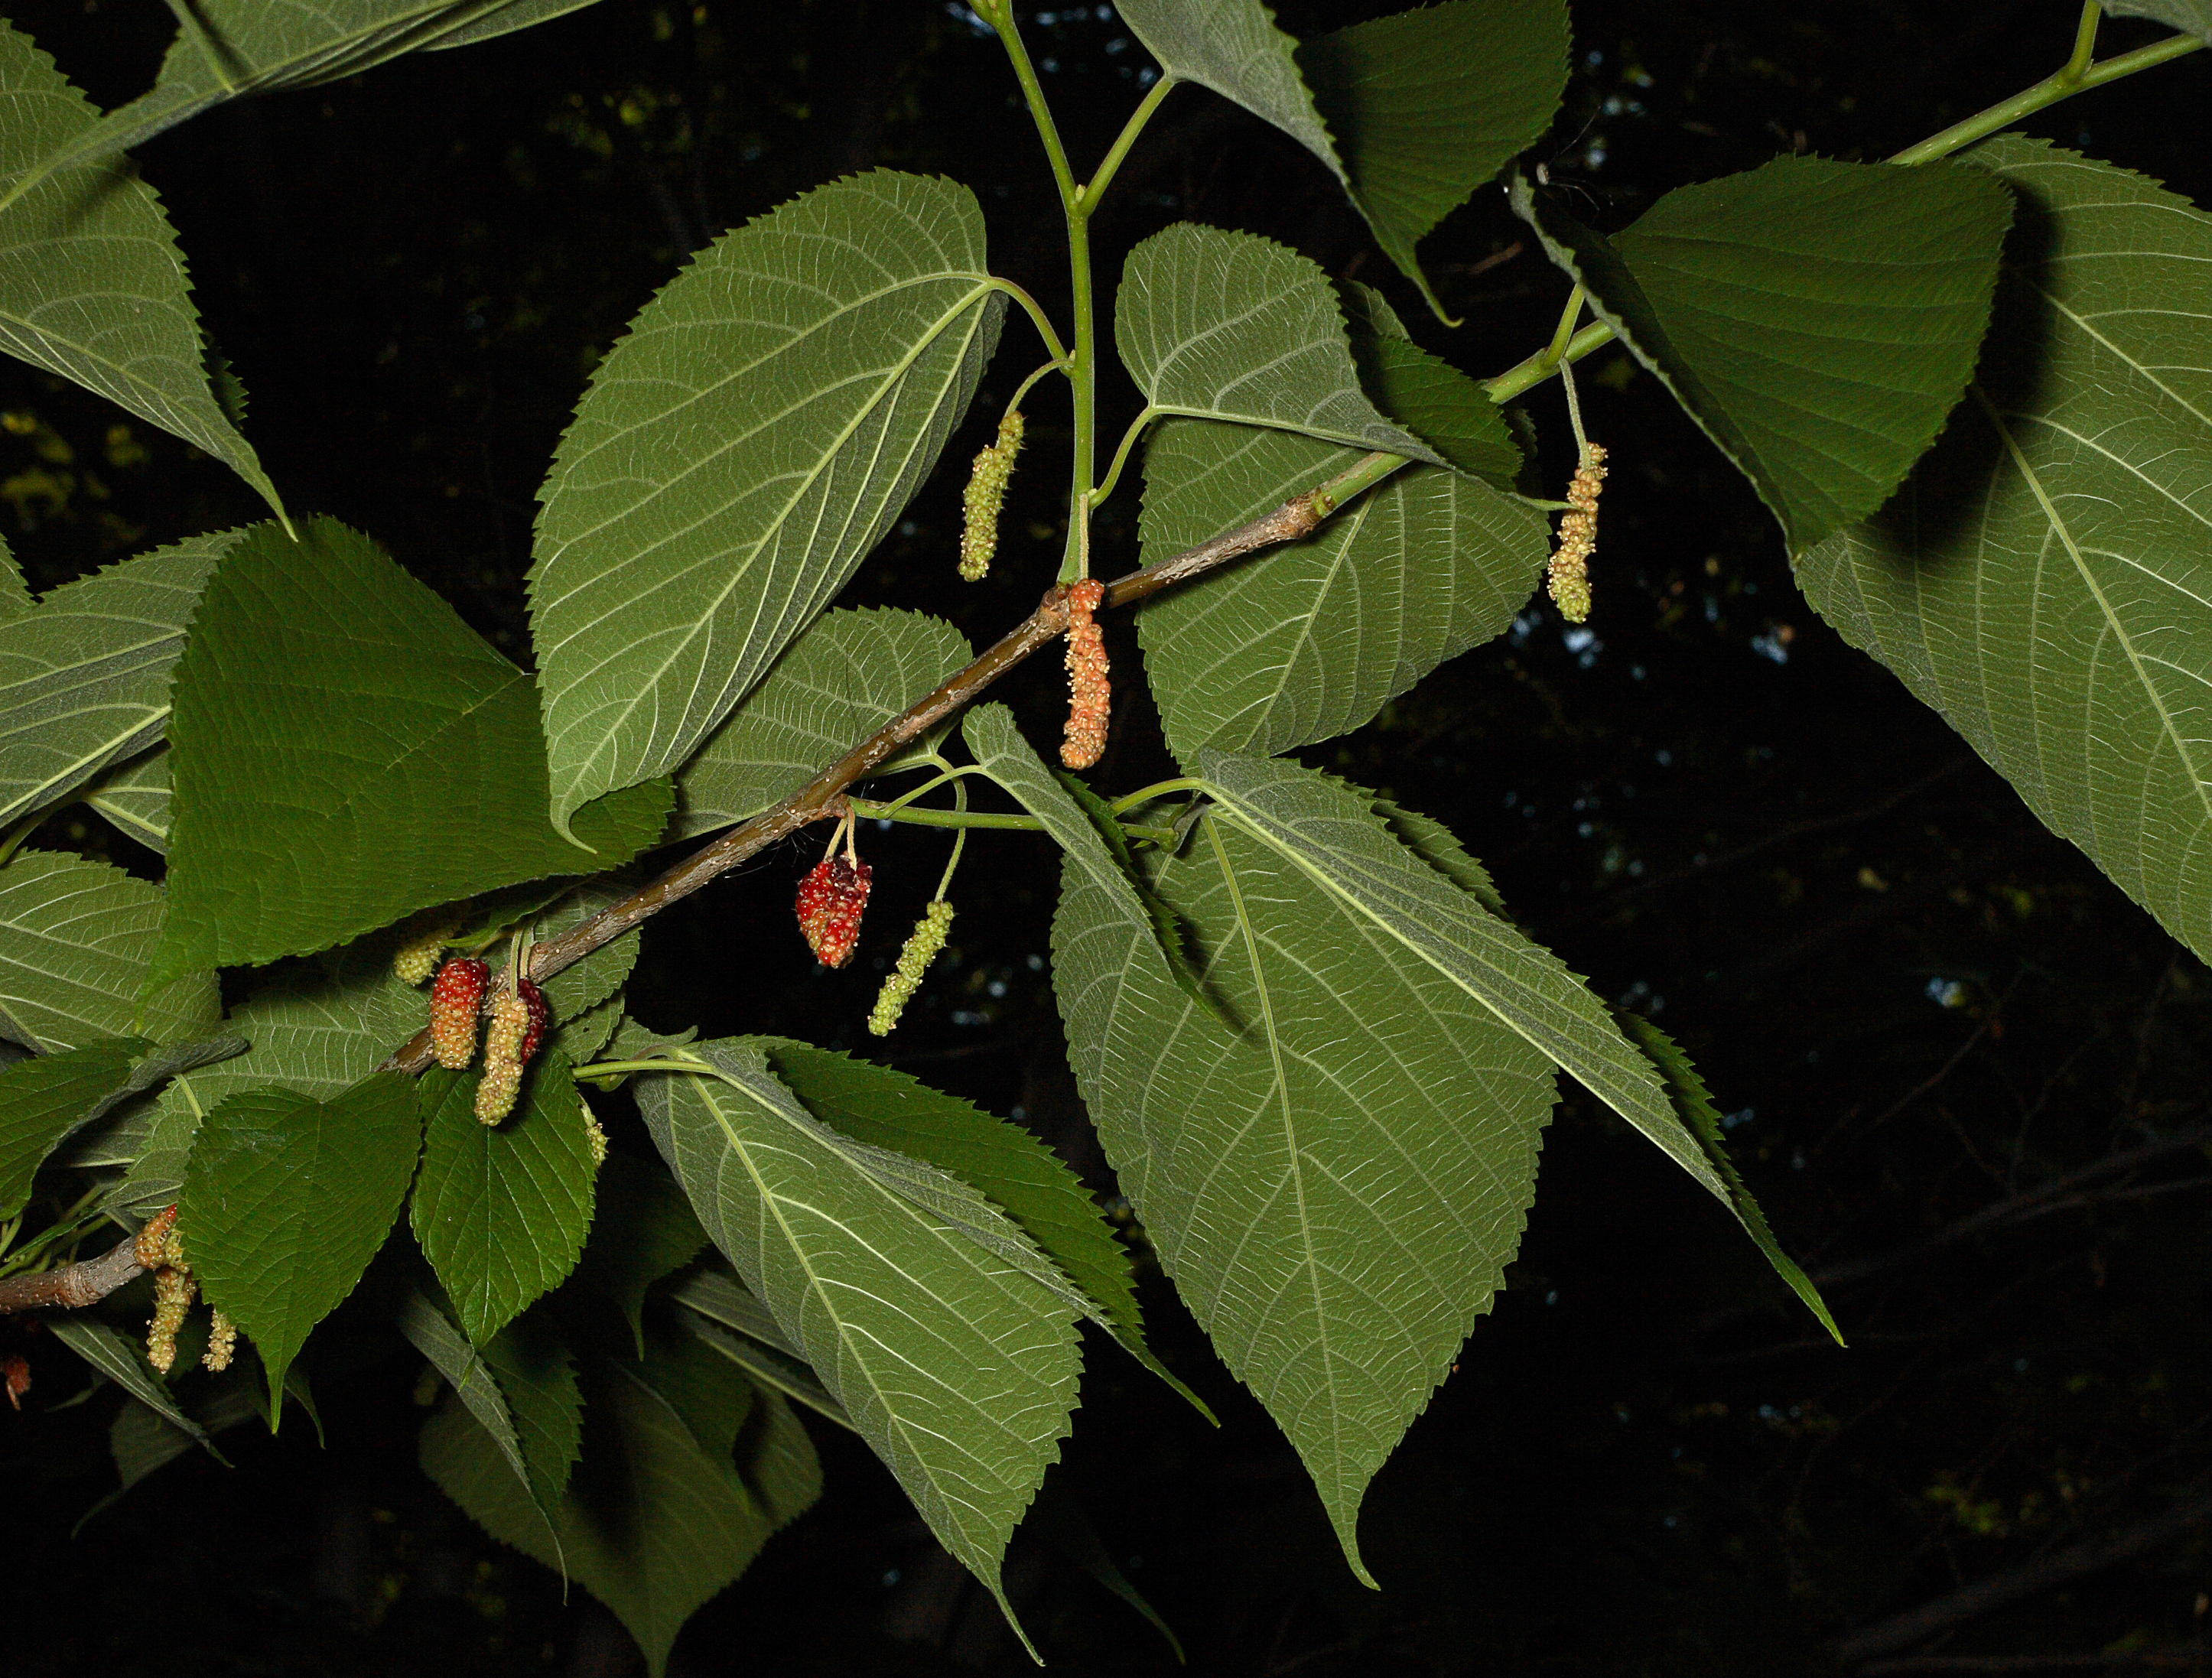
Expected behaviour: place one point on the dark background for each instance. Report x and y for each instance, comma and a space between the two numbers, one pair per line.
1964, 1075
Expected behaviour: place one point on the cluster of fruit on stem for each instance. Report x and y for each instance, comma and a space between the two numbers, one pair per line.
464, 991
162, 1250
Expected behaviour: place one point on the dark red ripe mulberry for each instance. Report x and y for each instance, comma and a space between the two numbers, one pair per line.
830, 900
534, 1033
454, 1001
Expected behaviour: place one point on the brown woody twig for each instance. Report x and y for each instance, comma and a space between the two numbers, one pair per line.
74, 1285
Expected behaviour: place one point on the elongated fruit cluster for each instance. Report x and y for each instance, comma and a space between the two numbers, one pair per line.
1570, 567
518, 1024
160, 1249
830, 901
455, 1000
1089, 694
920, 948
986, 495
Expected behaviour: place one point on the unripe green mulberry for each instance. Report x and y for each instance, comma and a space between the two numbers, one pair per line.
987, 493
920, 949
416, 957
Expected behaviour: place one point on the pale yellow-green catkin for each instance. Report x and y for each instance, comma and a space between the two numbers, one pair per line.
1570, 566
222, 1344
172, 1297
596, 1137
986, 495
920, 948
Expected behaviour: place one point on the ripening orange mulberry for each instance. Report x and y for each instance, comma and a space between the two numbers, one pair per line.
455, 1000
1089, 693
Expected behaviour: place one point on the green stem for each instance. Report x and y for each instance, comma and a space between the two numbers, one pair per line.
623, 1068
959, 842
2062, 84
1121, 454
1083, 364
1028, 384
1159, 789
1089, 194
966, 818
883, 811
2076, 75
1565, 333
1362, 475
1529, 374
1042, 322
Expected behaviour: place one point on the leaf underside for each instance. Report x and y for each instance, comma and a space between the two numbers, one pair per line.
759, 430
1231, 326
1336, 1183
76, 939
959, 1370
91, 284
1312, 640
84, 677
2044, 581
849, 674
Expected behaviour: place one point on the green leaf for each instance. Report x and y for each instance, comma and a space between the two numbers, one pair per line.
644, 1229
538, 1377
501, 1211
1695, 1105
346, 751
2191, 17
287, 1199
1009, 760
93, 1148
1231, 326
762, 426
122, 1360
135, 796
592, 980
1411, 113
91, 284
1426, 105
2043, 581
849, 674
1313, 639
1428, 395
1023, 1177
75, 940
1818, 320
1330, 833
1336, 1186
1234, 47
432, 1332
141, 1439
958, 1369
1059, 1520
583, 1037
1439, 847
84, 679
45, 1098
317, 1032
714, 1302
227, 49
656, 1521
15, 600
